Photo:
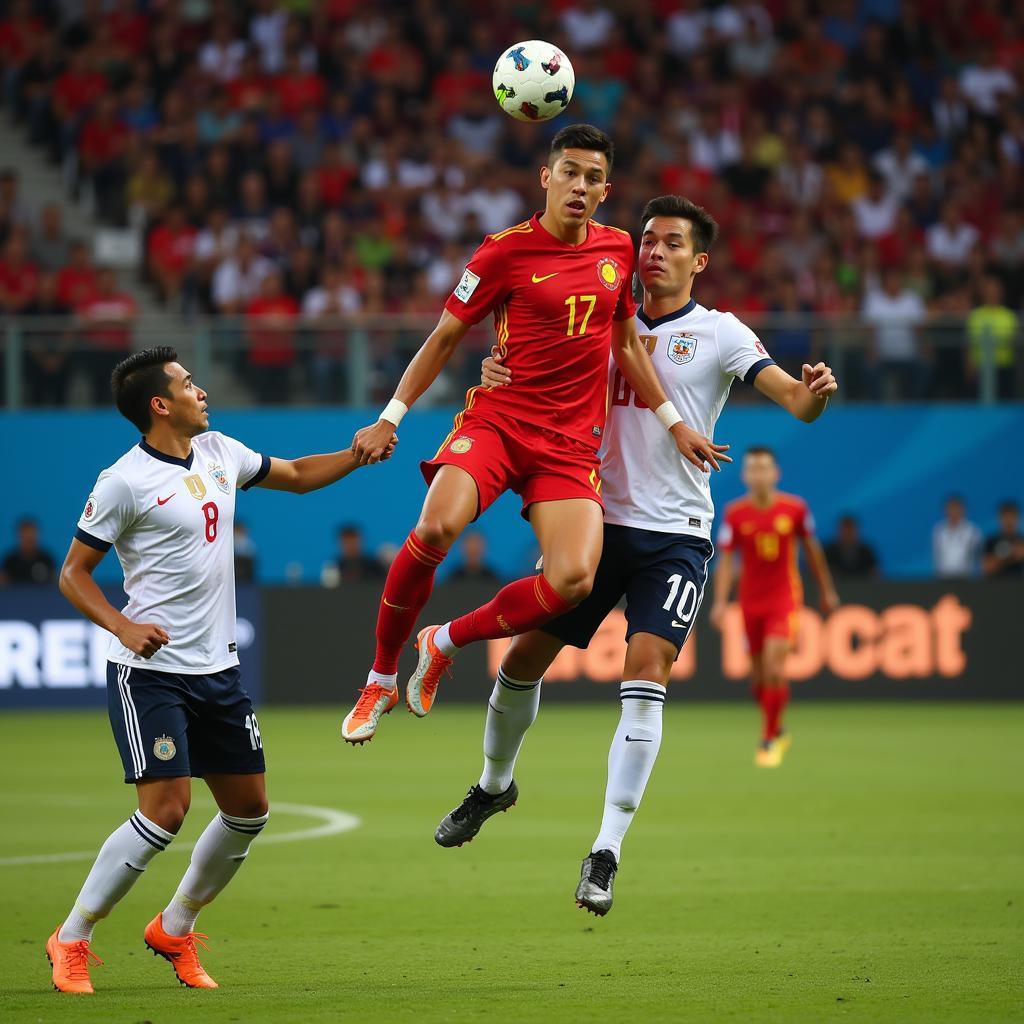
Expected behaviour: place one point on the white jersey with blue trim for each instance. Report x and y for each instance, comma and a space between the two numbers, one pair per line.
171, 522
697, 354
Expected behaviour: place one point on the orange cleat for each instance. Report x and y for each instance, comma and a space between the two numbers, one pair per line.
180, 951
70, 962
361, 722
422, 685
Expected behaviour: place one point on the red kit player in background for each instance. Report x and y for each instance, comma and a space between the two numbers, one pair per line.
559, 287
764, 526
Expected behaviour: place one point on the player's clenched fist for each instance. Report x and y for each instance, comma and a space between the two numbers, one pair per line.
698, 449
819, 380
370, 444
143, 638
492, 373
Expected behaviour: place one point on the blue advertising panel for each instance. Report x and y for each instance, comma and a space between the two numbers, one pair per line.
51, 657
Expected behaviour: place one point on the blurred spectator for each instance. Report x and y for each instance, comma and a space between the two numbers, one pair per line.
150, 189
588, 24
47, 346
270, 339
50, 249
245, 553
237, 280
27, 562
992, 329
170, 248
896, 313
102, 143
956, 542
984, 82
76, 281
849, 557
322, 308
473, 565
1004, 551
875, 211
19, 277
107, 316
950, 241
353, 565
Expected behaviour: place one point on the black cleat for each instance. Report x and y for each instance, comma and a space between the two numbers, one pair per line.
594, 893
468, 818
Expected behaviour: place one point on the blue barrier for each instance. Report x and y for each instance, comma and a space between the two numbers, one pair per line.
892, 466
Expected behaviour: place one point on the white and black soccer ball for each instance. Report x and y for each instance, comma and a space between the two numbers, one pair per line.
533, 81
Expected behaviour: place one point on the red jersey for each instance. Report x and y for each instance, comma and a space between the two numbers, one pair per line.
553, 306
766, 540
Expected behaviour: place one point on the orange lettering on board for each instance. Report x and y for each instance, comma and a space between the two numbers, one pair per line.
951, 620
850, 636
905, 650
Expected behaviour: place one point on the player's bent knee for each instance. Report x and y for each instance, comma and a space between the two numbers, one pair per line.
437, 532
573, 587
168, 814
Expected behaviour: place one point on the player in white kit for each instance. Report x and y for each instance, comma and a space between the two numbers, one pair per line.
174, 691
657, 534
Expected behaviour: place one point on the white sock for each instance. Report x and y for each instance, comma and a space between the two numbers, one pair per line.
389, 681
631, 757
510, 712
443, 641
218, 855
120, 862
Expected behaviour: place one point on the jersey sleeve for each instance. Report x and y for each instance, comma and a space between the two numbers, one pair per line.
250, 466
739, 350
109, 510
805, 526
625, 308
483, 286
726, 534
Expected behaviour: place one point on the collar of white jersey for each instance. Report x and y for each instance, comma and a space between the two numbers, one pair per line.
675, 315
173, 460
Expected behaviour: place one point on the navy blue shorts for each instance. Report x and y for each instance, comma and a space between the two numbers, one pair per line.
168, 725
662, 577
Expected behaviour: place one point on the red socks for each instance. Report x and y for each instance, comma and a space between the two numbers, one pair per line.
773, 701
517, 608
406, 590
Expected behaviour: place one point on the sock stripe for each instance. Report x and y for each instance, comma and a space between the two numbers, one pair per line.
658, 698
422, 553
152, 830
539, 594
511, 684
253, 827
146, 836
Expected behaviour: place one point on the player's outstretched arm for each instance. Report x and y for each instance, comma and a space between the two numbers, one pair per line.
311, 472
633, 360
828, 599
369, 444
78, 586
724, 575
806, 399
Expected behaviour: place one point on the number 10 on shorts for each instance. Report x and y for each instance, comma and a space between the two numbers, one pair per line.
687, 599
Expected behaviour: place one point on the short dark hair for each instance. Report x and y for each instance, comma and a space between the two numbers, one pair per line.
137, 379
761, 449
350, 530
703, 227
582, 136
1009, 505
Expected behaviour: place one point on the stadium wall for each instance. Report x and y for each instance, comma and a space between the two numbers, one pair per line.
310, 645
892, 466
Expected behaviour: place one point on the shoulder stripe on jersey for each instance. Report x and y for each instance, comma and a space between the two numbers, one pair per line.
91, 541
261, 473
751, 374
612, 227
524, 228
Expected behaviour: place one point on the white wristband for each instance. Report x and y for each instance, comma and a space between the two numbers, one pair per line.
668, 414
394, 411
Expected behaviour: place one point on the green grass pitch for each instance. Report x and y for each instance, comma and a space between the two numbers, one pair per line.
877, 876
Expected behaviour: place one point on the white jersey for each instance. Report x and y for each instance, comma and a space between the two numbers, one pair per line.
697, 354
171, 523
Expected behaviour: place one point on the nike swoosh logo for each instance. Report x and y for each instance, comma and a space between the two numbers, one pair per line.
679, 625
163, 501
546, 277
397, 607
636, 739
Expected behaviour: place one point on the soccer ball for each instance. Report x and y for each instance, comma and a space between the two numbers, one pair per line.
533, 81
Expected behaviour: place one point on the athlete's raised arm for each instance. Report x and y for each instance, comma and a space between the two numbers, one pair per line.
369, 444
805, 399
632, 359
78, 586
311, 472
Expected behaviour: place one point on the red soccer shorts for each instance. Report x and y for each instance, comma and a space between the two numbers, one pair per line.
536, 463
773, 622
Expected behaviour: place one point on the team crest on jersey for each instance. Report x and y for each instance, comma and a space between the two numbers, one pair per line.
783, 525
681, 348
608, 273
90, 508
461, 445
220, 478
195, 486
164, 748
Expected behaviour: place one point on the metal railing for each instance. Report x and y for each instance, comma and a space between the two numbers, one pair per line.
358, 360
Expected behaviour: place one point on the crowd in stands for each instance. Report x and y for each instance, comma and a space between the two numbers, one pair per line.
290, 163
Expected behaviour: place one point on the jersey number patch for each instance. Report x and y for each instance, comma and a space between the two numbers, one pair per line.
212, 515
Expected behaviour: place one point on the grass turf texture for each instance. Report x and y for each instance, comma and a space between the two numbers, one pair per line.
877, 876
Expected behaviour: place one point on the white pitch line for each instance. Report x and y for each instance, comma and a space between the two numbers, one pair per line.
332, 823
